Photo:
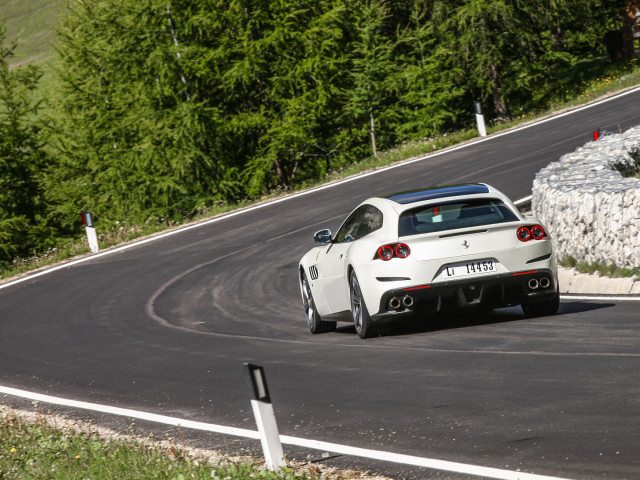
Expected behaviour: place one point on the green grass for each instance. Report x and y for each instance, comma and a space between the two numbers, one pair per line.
112, 236
629, 76
42, 446
629, 169
31, 23
121, 233
602, 269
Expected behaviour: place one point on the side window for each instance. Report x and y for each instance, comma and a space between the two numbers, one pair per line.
361, 222
371, 221
347, 232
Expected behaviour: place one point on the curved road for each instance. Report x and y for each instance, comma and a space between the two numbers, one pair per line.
165, 326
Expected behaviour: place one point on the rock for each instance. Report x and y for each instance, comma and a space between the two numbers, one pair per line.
590, 209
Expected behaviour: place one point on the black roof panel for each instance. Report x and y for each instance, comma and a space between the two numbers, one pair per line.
437, 192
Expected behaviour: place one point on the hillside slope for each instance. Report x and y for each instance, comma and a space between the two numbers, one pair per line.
32, 23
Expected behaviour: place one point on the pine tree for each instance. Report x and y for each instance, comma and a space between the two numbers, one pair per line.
303, 49
21, 159
137, 132
372, 67
427, 79
169, 105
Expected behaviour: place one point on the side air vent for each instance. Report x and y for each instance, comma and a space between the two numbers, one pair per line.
313, 272
540, 259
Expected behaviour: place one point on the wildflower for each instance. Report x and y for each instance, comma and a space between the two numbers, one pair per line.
77, 456
13, 449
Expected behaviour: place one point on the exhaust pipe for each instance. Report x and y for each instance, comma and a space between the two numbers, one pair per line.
533, 284
407, 301
545, 282
394, 303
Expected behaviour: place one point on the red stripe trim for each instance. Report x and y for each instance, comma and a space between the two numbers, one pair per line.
525, 273
417, 288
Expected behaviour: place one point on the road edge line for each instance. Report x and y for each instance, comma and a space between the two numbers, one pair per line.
319, 188
487, 472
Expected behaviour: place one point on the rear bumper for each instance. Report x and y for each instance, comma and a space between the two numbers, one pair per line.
487, 292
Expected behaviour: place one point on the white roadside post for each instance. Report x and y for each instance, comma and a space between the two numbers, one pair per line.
92, 237
265, 418
480, 119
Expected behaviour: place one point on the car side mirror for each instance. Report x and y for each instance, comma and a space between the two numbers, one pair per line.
323, 236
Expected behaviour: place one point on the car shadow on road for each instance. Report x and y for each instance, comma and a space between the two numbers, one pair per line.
578, 306
458, 320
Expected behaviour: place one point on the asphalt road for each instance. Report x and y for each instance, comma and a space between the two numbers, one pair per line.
165, 327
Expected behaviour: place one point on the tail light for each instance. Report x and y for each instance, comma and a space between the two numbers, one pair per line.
537, 232
402, 250
524, 234
528, 232
387, 252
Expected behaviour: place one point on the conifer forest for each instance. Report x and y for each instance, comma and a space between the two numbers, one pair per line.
165, 107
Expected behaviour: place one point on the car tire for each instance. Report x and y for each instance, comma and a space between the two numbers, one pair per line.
365, 328
543, 308
314, 321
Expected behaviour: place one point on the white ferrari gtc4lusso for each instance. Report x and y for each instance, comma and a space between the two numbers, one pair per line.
416, 253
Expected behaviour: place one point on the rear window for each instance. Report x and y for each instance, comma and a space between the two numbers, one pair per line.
452, 215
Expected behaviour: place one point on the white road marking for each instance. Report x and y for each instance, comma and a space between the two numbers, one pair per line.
406, 459
125, 412
486, 472
307, 192
612, 298
523, 200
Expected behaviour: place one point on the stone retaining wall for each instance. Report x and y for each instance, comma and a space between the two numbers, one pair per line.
591, 210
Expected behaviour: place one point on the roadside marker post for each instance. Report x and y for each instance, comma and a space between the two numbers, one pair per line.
92, 237
480, 119
596, 135
265, 417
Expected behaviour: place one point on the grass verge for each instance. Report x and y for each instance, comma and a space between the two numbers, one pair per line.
604, 270
45, 446
110, 236
604, 79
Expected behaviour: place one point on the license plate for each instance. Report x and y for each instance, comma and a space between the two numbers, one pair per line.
470, 268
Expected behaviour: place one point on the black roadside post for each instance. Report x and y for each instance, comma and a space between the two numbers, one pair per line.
265, 417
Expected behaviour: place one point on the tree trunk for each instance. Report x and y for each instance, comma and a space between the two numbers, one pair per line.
175, 42
282, 176
628, 22
372, 131
501, 109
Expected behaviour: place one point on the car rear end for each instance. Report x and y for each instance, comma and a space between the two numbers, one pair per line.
463, 252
